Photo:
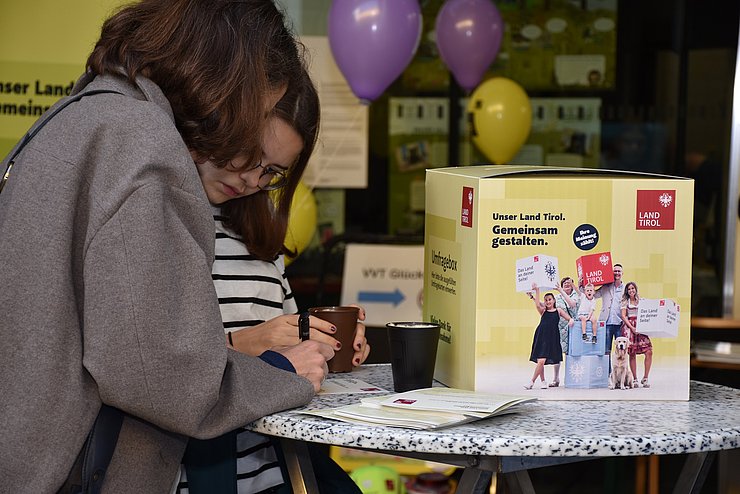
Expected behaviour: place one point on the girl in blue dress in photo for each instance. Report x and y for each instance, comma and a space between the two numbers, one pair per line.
546, 349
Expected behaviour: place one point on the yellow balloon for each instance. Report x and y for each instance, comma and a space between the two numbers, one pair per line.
500, 116
301, 221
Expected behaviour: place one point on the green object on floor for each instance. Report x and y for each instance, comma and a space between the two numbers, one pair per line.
374, 479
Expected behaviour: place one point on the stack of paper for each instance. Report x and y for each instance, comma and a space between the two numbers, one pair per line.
429, 408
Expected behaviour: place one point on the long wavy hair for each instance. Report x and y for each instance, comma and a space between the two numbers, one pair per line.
262, 218
215, 60
626, 295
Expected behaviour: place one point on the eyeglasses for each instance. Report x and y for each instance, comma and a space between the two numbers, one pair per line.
271, 178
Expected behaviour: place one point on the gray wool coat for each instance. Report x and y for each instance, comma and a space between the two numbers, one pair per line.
106, 238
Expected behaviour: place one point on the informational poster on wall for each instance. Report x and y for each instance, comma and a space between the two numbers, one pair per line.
565, 132
340, 157
43, 50
559, 44
417, 140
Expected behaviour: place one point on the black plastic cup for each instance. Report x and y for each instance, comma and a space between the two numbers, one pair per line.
413, 351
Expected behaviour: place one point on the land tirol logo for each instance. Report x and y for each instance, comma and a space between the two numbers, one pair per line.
466, 212
656, 210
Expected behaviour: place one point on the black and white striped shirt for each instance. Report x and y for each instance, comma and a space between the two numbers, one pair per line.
250, 291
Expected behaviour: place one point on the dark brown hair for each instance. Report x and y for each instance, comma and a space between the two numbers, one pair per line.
262, 218
626, 295
215, 61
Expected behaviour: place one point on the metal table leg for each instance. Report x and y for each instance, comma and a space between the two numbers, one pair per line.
694, 472
474, 481
299, 466
519, 482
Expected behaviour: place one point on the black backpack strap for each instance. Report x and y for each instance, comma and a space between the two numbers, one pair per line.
99, 448
88, 471
46, 117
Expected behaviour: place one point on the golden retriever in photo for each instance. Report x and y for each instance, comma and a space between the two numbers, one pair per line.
621, 376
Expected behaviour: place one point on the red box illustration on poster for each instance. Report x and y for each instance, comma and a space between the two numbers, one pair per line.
596, 269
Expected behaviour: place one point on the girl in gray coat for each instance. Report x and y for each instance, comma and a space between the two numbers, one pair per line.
107, 238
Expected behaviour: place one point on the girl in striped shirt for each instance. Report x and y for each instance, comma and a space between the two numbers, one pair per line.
257, 305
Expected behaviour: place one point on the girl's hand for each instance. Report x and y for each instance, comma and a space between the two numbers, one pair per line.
571, 322
309, 360
360, 345
282, 331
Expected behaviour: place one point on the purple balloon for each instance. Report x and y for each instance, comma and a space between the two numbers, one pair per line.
373, 41
469, 36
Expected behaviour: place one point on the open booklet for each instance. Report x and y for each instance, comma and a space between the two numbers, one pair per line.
428, 408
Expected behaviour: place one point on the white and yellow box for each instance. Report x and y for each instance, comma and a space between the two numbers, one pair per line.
537, 269
482, 220
659, 318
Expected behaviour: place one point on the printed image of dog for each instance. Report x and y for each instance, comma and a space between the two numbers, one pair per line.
621, 376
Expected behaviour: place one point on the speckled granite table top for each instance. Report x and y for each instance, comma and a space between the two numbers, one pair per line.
709, 421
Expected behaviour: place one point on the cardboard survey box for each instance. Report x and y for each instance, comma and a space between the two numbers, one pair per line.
577, 347
586, 371
596, 269
537, 269
658, 318
482, 221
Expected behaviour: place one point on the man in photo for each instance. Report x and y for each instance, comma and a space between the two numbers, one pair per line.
611, 298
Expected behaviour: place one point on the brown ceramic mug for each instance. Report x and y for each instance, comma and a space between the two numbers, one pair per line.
344, 318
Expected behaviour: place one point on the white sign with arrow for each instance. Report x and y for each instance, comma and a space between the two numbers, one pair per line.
387, 280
